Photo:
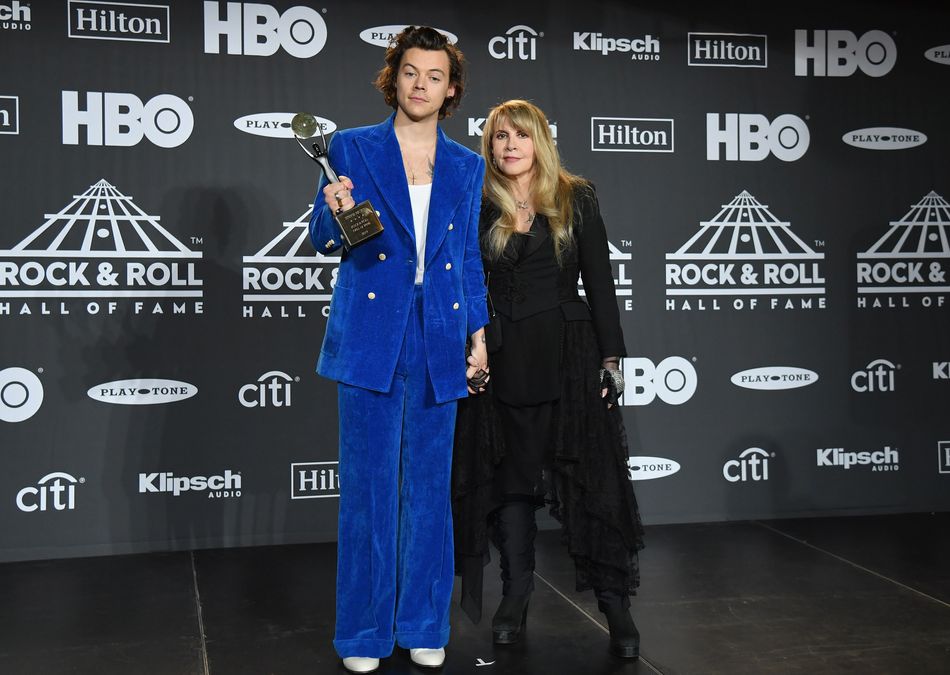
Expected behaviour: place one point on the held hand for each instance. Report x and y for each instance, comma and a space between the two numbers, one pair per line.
339, 196
476, 372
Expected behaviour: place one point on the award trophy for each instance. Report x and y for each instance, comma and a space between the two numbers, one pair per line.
358, 223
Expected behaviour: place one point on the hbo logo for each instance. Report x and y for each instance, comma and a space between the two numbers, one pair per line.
839, 53
673, 380
122, 120
256, 29
751, 137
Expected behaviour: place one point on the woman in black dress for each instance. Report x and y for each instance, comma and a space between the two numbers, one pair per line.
546, 429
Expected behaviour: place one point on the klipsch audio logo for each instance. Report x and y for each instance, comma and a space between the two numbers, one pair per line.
142, 392
752, 138
122, 120
275, 124
21, 394
272, 390
646, 48
734, 50
103, 248
9, 114
941, 370
673, 380
631, 134
648, 468
910, 260
939, 54
887, 459
742, 254
943, 456
285, 276
15, 16
770, 378
125, 21
519, 42
55, 491
314, 480
878, 375
476, 126
840, 53
884, 138
258, 29
382, 36
220, 486
752, 465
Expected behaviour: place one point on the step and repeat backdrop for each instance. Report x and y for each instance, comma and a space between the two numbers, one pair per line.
774, 181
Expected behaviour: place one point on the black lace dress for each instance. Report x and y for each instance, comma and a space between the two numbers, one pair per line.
579, 463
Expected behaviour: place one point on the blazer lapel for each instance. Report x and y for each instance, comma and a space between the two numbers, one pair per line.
539, 235
448, 185
383, 160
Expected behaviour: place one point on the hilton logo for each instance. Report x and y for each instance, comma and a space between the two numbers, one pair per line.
943, 456
314, 480
631, 134
735, 50
9, 114
118, 21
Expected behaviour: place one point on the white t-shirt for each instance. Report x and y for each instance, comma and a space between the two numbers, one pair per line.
419, 196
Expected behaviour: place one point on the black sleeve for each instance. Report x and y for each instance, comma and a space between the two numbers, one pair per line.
596, 272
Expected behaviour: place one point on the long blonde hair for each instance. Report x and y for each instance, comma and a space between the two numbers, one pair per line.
552, 185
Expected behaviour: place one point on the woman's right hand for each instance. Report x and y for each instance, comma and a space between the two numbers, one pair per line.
339, 196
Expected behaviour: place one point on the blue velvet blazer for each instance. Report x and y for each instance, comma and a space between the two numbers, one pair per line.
375, 285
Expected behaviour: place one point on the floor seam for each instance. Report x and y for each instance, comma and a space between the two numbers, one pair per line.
201, 623
854, 564
588, 615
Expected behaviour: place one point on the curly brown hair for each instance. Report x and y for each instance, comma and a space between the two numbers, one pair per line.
422, 37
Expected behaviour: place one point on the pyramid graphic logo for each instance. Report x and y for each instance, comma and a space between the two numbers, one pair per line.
743, 253
910, 258
286, 272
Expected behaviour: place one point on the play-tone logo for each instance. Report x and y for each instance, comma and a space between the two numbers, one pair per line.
877, 376
519, 42
122, 120
743, 254
276, 124
220, 486
142, 392
55, 491
381, 36
646, 48
751, 137
751, 466
884, 138
129, 22
272, 390
258, 29
939, 54
314, 480
15, 16
21, 394
729, 50
840, 53
673, 380
631, 134
771, 378
887, 459
649, 468
9, 115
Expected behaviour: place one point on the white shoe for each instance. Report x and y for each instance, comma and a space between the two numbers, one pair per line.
428, 658
360, 664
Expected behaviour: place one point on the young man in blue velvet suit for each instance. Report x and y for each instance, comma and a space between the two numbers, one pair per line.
403, 306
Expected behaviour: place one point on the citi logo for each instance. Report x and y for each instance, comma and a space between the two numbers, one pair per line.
941, 370
9, 114
142, 392
258, 29
884, 138
272, 390
943, 456
749, 137
751, 466
770, 378
476, 126
129, 22
314, 480
226, 485
840, 53
887, 459
730, 50
939, 55
631, 134
382, 36
123, 120
673, 380
275, 125
56, 491
15, 16
21, 394
878, 375
646, 48
519, 42
649, 468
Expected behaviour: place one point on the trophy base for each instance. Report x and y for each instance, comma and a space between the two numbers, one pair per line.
358, 224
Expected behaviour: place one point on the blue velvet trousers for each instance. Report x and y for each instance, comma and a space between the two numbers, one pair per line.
395, 552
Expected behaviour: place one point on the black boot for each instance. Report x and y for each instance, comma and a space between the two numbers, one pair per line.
515, 529
624, 636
